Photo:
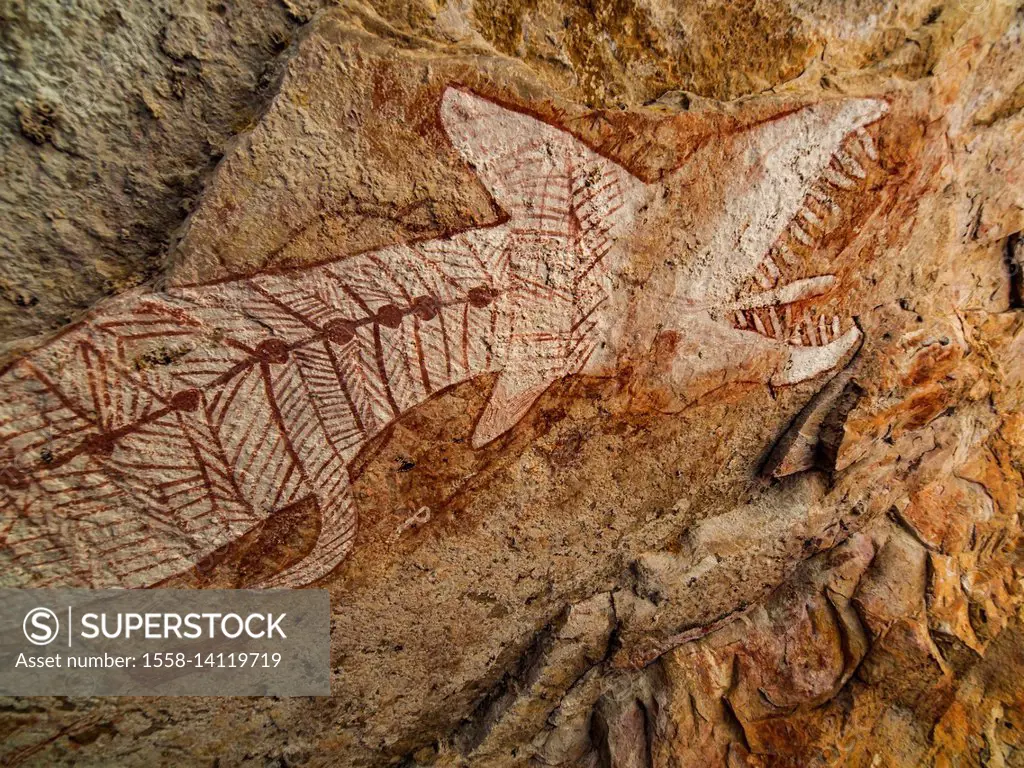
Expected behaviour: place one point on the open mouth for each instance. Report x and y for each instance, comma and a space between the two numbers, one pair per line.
778, 301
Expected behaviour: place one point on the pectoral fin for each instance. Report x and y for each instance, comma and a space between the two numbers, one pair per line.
510, 399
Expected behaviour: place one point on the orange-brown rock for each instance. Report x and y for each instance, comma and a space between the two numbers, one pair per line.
660, 370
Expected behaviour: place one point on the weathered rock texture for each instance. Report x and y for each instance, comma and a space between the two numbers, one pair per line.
113, 115
716, 459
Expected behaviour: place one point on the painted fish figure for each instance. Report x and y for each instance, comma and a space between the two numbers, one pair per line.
170, 423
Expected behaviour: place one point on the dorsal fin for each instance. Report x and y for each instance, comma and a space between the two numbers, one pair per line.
509, 401
541, 176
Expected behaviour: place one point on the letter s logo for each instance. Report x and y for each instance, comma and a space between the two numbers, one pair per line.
41, 626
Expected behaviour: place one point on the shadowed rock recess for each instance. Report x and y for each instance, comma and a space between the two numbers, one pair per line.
643, 380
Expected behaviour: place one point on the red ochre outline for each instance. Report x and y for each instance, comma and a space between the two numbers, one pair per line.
503, 217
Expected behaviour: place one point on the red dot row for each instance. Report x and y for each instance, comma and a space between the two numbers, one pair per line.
390, 316
276, 351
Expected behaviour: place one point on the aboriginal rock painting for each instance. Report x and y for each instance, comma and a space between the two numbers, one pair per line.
171, 423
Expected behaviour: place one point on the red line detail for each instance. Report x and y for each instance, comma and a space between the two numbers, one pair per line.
465, 336
275, 411
444, 343
379, 354
274, 300
344, 386
424, 375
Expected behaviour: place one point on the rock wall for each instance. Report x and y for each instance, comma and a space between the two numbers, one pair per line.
643, 381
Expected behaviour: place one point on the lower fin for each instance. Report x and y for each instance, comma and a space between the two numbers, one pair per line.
510, 399
807, 362
333, 543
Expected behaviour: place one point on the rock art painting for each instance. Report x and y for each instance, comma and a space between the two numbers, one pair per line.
171, 422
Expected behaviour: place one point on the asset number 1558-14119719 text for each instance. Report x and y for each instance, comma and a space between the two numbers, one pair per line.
239, 660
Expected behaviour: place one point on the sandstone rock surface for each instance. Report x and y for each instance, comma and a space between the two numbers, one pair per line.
677, 354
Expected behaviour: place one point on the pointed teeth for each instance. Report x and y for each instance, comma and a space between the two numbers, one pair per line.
798, 290
850, 164
867, 143
771, 268
801, 234
786, 253
811, 218
828, 329
809, 326
766, 315
825, 199
837, 179
818, 209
